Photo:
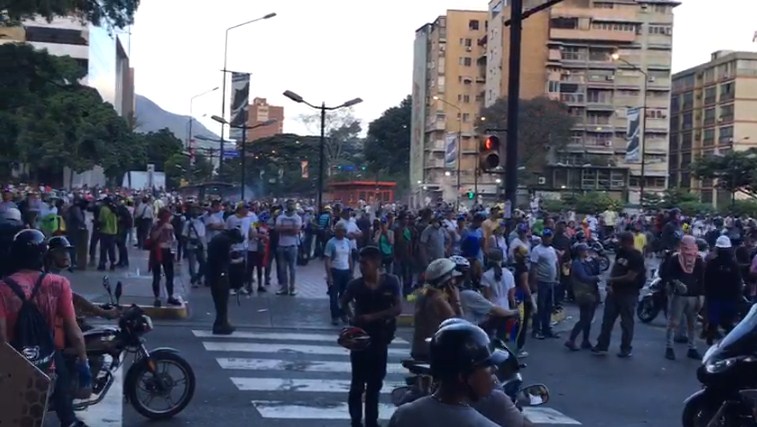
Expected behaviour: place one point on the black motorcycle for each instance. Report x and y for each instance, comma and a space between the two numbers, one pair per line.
149, 379
600, 254
421, 383
728, 371
653, 299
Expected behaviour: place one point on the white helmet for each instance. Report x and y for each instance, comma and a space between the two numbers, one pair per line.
440, 270
461, 263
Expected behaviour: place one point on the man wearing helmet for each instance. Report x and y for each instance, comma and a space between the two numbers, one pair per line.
52, 296
219, 260
461, 361
438, 300
377, 303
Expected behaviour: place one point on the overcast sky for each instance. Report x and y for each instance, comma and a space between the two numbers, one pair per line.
336, 50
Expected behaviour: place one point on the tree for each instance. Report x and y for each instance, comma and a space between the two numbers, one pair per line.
280, 158
543, 125
342, 132
118, 13
160, 146
387, 147
178, 167
734, 171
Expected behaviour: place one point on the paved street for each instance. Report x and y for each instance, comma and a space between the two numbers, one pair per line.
284, 368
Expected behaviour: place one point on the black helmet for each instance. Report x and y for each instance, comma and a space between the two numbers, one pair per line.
702, 245
235, 234
461, 348
28, 250
58, 242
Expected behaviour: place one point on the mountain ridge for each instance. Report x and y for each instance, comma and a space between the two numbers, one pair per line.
151, 118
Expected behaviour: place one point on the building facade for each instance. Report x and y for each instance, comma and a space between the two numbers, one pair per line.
259, 112
594, 56
713, 111
448, 94
100, 52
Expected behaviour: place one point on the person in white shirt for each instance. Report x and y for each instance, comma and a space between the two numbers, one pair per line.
256, 243
288, 225
194, 236
338, 263
239, 220
521, 240
143, 216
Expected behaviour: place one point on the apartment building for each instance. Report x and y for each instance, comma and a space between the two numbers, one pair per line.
259, 112
713, 110
594, 56
448, 94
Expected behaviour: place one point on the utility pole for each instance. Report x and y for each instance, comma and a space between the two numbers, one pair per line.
513, 100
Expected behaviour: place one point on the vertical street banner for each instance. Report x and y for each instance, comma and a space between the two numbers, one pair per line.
240, 103
450, 151
633, 135
305, 169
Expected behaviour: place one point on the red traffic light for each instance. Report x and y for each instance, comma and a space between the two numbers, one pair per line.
491, 143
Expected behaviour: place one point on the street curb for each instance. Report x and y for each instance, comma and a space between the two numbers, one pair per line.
167, 313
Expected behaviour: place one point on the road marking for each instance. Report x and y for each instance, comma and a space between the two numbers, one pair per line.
296, 365
267, 336
288, 348
109, 412
544, 415
340, 411
297, 384
304, 411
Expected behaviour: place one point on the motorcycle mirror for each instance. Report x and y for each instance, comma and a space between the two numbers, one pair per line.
119, 291
533, 395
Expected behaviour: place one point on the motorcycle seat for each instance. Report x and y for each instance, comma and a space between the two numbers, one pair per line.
417, 367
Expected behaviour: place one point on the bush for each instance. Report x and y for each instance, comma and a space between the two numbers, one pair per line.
741, 207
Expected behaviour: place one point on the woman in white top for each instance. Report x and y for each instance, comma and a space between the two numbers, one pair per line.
498, 283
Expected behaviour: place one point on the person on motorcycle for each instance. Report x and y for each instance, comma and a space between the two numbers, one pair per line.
461, 362
479, 310
53, 299
722, 289
438, 300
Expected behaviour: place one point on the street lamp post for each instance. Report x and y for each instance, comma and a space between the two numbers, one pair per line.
243, 152
191, 114
322, 144
224, 71
643, 140
459, 143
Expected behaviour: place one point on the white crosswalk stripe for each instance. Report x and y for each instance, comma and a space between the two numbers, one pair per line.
109, 412
306, 376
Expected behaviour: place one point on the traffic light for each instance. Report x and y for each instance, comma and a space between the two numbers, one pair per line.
489, 153
471, 195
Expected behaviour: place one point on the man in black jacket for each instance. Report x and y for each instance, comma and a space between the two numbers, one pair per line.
722, 289
219, 259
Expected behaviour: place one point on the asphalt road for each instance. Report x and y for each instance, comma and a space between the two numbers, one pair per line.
284, 368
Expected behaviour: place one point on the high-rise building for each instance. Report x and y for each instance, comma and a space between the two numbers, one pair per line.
100, 51
713, 107
259, 112
448, 94
594, 56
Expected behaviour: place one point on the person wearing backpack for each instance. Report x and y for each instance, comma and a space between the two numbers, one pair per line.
30, 301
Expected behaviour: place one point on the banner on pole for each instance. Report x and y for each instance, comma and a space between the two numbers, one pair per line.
633, 134
450, 150
240, 103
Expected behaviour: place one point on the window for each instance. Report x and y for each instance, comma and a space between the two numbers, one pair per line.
466, 42
657, 113
710, 95
688, 100
576, 112
664, 30
709, 75
599, 96
465, 61
55, 35
709, 117
675, 104
726, 91
466, 99
466, 117
473, 24
725, 134
614, 26
553, 86
674, 124
661, 8
685, 179
706, 196
600, 54
687, 121
604, 5
564, 23
686, 141
726, 113
709, 137
572, 53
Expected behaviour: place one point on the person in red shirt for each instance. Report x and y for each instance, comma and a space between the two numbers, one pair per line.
54, 300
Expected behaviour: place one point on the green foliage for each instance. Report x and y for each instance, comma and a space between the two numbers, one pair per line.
553, 205
279, 158
741, 207
178, 167
387, 148
160, 146
669, 198
544, 125
590, 203
734, 170
342, 130
118, 13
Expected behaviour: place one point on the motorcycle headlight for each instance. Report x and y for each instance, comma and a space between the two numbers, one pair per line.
722, 365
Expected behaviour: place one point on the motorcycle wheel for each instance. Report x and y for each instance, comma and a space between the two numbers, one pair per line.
145, 381
697, 413
604, 263
646, 310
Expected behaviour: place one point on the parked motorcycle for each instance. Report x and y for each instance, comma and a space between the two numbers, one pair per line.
149, 373
600, 254
727, 374
421, 383
653, 299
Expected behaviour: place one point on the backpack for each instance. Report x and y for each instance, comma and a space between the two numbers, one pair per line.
32, 335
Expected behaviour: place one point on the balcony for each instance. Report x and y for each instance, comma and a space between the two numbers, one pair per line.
604, 35
437, 146
572, 98
436, 126
600, 104
435, 164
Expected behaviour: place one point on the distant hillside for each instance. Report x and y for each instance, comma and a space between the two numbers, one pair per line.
150, 118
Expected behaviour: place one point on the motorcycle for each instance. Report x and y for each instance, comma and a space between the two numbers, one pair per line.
727, 374
421, 383
653, 299
107, 347
600, 254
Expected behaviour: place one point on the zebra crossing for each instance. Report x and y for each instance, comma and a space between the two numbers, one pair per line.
305, 375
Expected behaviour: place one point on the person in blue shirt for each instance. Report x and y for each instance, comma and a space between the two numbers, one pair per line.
472, 240
584, 277
323, 233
